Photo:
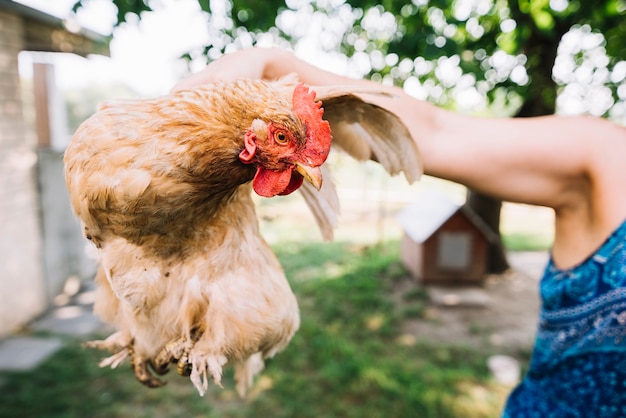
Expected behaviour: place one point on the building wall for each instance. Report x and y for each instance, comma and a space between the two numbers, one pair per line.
22, 287
412, 254
65, 253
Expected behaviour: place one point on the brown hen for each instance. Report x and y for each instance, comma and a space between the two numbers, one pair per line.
163, 190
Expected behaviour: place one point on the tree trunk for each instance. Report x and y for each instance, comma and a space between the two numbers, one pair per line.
488, 209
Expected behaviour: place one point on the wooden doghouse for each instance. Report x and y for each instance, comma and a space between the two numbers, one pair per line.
444, 242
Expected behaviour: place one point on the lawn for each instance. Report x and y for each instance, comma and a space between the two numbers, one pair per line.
349, 358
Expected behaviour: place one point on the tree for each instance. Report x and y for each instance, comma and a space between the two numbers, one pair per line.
474, 55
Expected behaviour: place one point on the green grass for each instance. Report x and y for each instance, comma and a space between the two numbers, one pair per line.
526, 242
347, 360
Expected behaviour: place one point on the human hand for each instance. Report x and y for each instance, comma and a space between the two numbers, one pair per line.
248, 63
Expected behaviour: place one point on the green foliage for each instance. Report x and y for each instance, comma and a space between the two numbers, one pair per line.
124, 8
472, 33
347, 360
247, 14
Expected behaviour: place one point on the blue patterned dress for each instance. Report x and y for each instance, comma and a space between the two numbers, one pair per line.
578, 366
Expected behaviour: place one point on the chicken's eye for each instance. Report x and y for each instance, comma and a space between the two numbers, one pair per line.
280, 137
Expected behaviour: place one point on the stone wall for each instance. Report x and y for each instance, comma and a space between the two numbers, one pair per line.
22, 285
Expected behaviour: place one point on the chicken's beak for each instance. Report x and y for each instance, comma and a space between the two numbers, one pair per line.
311, 174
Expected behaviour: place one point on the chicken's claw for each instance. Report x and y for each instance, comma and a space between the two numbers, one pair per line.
183, 366
114, 360
176, 351
139, 364
117, 343
113, 343
122, 346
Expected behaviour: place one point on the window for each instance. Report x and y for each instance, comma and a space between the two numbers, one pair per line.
454, 250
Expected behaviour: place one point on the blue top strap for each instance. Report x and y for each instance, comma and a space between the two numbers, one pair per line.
584, 307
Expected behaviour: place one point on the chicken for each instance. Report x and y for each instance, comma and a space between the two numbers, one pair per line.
163, 189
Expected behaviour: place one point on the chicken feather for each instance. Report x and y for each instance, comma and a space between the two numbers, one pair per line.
365, 131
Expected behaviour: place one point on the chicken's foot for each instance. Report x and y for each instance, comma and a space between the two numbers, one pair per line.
139, 364
176, 351
117, 344
122, 347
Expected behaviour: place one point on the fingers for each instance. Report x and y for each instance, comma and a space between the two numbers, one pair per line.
247, 63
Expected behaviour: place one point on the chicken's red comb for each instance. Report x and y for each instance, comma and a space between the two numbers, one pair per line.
318, 130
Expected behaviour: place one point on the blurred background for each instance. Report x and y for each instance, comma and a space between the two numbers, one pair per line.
382, 349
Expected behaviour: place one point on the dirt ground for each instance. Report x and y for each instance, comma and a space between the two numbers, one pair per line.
500, 314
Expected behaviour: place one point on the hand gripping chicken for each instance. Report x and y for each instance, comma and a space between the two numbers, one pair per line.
163, 190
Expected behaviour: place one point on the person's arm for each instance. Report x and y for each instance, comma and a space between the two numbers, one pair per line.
265, 64
566, 163
512, 159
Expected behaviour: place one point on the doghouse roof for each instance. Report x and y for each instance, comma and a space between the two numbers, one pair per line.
422, 218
